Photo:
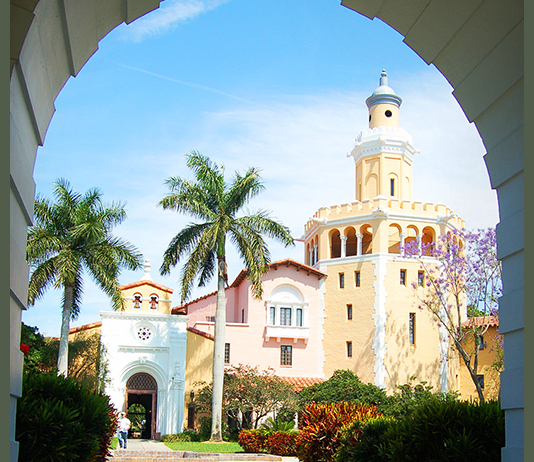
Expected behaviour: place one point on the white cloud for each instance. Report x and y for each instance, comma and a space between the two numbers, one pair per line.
169, 15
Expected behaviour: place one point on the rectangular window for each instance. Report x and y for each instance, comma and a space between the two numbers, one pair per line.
299, 317
341, 280
392, 187
480, 379
349, 312
349, 349
481, 345
412, 328
420, 278
357, 279
286, 355
285, 316
210, 318
272, 315
226, 353
403, 277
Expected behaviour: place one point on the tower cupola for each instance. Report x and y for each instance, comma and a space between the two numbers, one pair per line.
383, 105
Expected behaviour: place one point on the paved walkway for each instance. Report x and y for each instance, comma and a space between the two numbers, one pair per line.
150, 450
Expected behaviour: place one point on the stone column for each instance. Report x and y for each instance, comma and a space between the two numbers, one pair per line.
402, 235
343, 246
359, 237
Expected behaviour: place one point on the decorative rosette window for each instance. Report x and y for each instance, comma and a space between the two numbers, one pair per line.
144, 333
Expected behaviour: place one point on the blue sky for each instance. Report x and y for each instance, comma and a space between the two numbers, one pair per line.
279, 85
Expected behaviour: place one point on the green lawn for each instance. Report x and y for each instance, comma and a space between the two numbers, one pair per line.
206, 446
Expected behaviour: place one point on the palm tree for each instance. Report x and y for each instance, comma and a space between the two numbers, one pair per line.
216, 204
69, 236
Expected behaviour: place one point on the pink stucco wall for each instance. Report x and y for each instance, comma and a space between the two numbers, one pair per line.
248, 342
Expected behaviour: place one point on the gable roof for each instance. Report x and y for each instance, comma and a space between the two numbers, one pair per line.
182, 309
133, 285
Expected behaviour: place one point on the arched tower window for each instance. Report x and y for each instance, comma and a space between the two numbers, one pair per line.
394, 239
335, 244
367, 239
428, 239
411, 236
137, 301
352, 242
154, 302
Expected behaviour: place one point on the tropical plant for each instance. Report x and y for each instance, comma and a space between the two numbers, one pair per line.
273, 425
60, 419
365, 440
464, 276
320, 428
217, 204
346, 386
455, 431
69, 236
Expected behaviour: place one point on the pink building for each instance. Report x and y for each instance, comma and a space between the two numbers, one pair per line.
282, 330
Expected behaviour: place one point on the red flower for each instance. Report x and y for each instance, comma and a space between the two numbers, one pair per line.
24, 348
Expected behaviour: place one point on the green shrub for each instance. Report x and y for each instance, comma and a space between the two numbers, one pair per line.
281, 443
186, 436
345, 386
320, 427
252, 440
59, 419
449, 431
365, 441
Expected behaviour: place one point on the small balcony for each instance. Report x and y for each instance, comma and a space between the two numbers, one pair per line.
287, 332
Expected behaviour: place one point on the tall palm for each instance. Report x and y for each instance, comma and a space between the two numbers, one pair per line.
216, 205
68, 236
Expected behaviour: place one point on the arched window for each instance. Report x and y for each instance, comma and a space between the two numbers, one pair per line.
154, 301
335, 244
137, 301
352, 242
428, 239
367, 239
394, 239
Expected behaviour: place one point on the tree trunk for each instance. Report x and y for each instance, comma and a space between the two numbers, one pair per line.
63, 353
218, 353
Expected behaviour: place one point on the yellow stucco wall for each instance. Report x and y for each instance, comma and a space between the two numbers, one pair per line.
338, 330
403, 359
486, 358
146, 289
199, 364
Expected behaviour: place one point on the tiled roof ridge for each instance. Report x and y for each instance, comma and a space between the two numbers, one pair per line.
91, 325
201, 333
156, 285
481, 321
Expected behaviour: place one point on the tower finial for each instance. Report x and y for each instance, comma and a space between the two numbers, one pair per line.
383, 77
146, 276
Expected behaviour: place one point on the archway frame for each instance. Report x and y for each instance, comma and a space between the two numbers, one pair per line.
476, 44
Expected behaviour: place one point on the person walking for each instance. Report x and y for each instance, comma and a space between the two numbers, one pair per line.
124, 426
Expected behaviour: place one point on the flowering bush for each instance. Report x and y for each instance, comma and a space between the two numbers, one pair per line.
281, 443
252, 440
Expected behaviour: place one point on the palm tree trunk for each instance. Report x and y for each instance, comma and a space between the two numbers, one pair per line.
63, 353
218, 353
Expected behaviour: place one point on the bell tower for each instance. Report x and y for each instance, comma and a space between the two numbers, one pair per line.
384, 152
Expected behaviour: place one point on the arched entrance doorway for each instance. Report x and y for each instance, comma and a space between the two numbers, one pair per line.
141, 403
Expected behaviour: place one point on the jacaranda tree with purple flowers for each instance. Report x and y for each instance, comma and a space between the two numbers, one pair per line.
462, 277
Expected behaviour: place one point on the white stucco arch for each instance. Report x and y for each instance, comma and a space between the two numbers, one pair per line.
286, 293
150, 367
476, 44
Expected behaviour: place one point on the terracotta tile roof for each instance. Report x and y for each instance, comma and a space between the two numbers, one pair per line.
287, 262
482, 321
243, 274
301, 382
91, 325
132, 285
201, 333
